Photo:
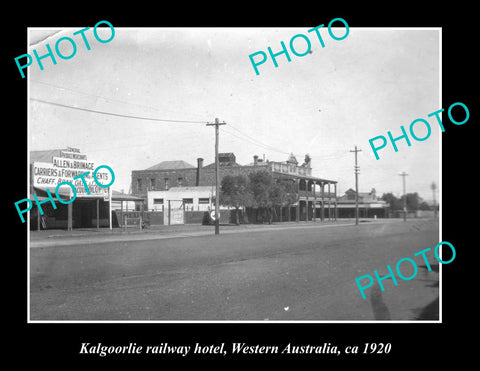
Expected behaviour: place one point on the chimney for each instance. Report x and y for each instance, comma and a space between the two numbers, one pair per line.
199, 170
255, 160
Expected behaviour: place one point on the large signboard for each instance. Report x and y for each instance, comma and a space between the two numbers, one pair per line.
65, 169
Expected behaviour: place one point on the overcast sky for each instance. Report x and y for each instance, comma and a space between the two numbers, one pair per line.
322, 104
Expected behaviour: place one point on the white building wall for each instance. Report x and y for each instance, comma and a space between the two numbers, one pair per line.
176, 194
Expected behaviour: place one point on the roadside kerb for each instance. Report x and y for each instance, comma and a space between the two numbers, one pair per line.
79, 239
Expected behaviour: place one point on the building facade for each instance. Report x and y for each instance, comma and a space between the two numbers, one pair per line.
48, 169
316, 197
190, 198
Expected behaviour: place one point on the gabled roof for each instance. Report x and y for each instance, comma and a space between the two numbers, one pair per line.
171, 165
360, 194
44, 156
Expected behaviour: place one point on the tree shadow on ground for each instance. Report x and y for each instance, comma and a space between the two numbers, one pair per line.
380, 310
429, 312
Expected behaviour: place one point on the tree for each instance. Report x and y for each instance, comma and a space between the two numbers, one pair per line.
268, 193
259, 191
289, 192
424, 206
260, 185
234, 192
413, 201
283, 193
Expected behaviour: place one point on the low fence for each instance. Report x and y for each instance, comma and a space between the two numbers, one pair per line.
136, 223
413, 214
152, 218
194, 217
148, 217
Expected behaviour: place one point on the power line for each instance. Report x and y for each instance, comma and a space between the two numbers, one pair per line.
116, 114
247, 137
257, 142
332, 157
101, 97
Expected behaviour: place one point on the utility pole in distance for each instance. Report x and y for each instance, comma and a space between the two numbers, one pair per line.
217, 176
403, 175
357, 170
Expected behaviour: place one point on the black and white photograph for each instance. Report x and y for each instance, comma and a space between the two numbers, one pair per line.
311, 219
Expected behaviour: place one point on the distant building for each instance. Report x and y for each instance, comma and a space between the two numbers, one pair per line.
369, 205
316, 197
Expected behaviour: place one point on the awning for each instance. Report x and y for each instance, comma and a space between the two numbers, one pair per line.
306, 177
125, 197
41, 193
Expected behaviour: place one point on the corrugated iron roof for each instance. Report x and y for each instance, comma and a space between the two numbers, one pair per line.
118, 196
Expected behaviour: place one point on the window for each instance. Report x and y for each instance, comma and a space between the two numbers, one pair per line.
139, 185
158, 201
203, 201
152, 184
180, 182
302, 186
188, 200
166, 184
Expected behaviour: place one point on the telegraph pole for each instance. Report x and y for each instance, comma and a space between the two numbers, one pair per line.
217, 176
403, 175
434, 187
357, 170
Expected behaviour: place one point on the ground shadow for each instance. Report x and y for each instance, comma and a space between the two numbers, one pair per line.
429, 312
380, 310
435, 268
